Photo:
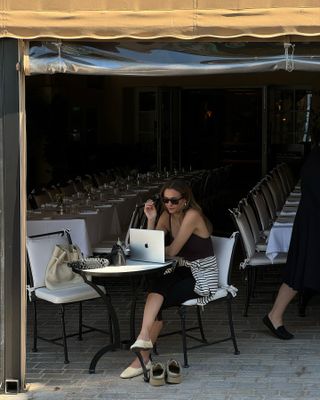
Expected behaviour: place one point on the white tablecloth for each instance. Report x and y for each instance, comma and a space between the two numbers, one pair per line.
281, 231
279, 240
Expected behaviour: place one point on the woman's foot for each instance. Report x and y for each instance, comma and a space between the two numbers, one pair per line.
279, 331
141, 344
135, 369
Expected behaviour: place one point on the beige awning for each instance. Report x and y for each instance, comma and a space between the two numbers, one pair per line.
154, 19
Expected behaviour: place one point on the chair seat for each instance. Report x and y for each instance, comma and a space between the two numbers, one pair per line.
80, 292
261, 259
261, 245
219, 294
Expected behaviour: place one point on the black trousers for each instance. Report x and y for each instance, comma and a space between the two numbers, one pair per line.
176, 287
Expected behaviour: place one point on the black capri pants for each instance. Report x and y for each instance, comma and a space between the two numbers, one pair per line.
176, 287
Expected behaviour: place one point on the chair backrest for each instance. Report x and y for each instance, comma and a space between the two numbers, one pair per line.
40, 198
275, 193
261, 208
283, 179
265, 190
139, 220
252, 219
278, 184
53, 192
68, 189
243, 226
224, 249
39, 251
289, 176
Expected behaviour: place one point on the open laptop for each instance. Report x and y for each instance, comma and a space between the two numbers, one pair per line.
147, 245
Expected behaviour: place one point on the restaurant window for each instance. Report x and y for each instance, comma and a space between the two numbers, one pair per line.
292, 118
222, 126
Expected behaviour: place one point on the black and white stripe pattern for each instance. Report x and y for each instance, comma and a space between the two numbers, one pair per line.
206, 274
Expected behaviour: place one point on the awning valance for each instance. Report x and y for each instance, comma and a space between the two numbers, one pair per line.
168, 58
153, 19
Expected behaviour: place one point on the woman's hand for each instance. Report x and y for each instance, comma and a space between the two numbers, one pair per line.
150, 210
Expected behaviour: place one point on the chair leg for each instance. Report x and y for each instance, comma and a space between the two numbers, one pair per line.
35, 327
232, 333
253, 282
64, 336
201, 325
80, 321
304, 298
182, 314
249, 290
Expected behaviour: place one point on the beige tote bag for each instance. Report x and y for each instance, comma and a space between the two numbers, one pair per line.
58, 274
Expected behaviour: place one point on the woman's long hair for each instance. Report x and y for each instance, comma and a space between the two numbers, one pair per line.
185, 191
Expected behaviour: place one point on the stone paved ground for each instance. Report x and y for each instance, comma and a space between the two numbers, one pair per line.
267, 367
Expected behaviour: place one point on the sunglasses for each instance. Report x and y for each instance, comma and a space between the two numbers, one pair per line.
173, 200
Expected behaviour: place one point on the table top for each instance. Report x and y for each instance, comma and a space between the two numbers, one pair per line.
132, 267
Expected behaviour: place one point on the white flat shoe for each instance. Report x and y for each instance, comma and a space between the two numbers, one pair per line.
140, 344
131, 372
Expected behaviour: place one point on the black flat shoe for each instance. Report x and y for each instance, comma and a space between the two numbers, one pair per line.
280, 332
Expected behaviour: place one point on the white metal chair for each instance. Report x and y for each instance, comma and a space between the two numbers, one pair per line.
253, 258
39, 251
224, 248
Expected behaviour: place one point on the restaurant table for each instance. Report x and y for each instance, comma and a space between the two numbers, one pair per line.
77, 227
133, 268
98, 225
279, 239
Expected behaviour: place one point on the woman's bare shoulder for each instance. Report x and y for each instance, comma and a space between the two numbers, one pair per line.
193, 213
164, 219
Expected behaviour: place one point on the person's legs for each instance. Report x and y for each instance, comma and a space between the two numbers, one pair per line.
285, 295
151, 310
154, 333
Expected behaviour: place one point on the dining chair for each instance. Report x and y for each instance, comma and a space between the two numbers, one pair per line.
257, 200
289, 176
253, 260
284, 182
224, 250
276, 192
68, 189
260, 238
40, 197
53, 192
277, 181
271, 205
39, 251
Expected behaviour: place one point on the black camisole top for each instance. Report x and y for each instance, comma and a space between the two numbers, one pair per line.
195, 247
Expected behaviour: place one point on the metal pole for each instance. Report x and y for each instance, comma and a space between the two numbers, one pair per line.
264, 141
12, 216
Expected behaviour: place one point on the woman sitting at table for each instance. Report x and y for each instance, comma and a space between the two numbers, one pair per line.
187, 238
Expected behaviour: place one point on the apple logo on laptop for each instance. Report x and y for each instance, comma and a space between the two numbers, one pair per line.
146, 245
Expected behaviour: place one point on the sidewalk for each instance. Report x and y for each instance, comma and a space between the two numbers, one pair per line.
267, 367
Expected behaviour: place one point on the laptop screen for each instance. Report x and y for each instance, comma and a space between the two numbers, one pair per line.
147, 245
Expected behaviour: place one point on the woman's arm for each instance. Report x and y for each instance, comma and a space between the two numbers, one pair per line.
190, 224
163, 222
